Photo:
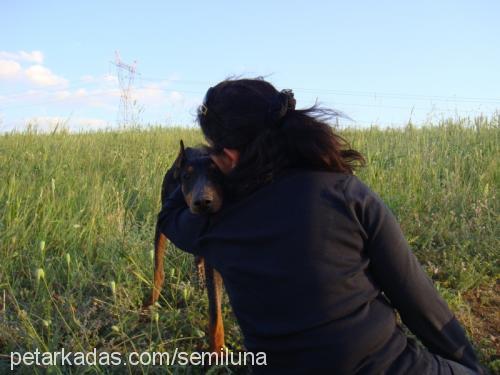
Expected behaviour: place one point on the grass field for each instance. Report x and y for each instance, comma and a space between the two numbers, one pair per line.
77, 214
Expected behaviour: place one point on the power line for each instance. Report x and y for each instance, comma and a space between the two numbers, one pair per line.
350, 92
335, 104
370, 94
328, 103
401, 95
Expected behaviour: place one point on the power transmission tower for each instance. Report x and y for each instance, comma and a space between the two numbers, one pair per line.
126, 74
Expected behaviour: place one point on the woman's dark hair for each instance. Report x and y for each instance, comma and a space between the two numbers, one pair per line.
250, 115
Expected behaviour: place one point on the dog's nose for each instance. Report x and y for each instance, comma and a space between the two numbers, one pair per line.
203, 203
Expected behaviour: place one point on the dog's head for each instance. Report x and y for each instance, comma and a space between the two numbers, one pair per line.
201, 180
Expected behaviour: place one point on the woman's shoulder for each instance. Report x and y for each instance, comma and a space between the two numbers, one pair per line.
346, 182
350, 187
296, 183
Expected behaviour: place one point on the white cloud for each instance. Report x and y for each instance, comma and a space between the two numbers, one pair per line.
77, 98
43, 76
13, 66
105, 79
62, 94
176, 98
9, 68
110, 78
33, 56
45, 92
80, 93
154, 94
150, 95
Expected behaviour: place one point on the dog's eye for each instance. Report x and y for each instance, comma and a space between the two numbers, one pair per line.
186, 176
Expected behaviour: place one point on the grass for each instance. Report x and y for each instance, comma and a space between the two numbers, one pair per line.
77, 213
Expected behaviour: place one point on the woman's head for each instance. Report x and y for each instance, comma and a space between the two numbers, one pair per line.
235, 112
259, 123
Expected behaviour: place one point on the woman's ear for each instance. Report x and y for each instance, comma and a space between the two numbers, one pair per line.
226, 160
233, 156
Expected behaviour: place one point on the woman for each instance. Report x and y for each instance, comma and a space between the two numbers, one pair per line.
313, 262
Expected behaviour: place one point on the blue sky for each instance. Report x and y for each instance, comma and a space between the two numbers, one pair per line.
379, 62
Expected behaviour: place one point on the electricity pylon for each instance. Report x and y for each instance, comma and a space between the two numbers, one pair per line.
126, 74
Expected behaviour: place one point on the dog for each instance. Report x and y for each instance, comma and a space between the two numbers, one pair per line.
201, 185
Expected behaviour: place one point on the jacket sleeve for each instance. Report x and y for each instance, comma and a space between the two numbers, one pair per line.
179, 225
398, 273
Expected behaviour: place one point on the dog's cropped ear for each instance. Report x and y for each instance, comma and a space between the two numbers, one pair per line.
179, 160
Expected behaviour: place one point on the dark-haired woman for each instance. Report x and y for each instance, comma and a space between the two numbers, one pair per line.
313, 262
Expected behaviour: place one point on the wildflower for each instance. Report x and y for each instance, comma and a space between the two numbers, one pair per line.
40, 274
42, 247
112, 285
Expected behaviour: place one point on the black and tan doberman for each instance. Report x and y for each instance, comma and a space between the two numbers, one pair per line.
201, 185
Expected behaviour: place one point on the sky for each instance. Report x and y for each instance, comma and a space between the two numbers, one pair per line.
379, 62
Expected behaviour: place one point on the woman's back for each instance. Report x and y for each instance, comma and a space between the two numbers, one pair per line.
293, 260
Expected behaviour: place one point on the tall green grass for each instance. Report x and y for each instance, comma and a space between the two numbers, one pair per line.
77, 214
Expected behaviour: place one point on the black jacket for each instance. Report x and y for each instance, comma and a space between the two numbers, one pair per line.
314, 265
